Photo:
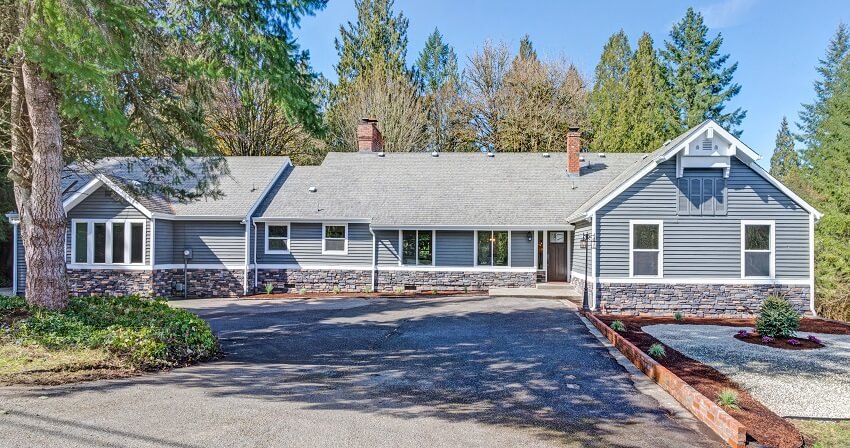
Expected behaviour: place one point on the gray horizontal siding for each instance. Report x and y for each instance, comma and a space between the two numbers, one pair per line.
387, 247
703, 246
305, 246
212, 242
105, 204
21, 263
455, 248
577, 252
164, 243
522, 250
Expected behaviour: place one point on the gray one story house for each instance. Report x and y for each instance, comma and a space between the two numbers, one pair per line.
695, 226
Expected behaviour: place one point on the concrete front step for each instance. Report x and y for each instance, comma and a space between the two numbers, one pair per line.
555, 285
564, 292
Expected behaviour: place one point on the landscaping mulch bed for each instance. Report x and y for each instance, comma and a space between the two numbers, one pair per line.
319, 295
802, 344
764, 426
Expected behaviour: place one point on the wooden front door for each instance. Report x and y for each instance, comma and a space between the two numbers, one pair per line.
557, 262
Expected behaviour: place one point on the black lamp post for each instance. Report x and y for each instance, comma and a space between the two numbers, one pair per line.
587, 242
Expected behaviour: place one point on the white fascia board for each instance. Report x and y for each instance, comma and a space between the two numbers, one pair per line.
81, 194
471, 227
367, 267
776, 183
124, 195
169, 217
267, 189
316, 219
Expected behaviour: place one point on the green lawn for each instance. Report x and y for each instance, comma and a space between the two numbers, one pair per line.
826, 433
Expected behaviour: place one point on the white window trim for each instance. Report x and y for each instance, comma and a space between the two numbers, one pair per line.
772, 224
492, 255
401, 247
632, 250
287, 238
334, 252
108, 249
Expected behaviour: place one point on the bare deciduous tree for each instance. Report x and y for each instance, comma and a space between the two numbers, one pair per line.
484, 106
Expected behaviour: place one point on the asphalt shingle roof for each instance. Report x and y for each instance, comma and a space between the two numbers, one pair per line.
246, 179
454, 189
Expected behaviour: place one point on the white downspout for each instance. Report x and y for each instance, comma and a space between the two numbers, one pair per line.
374, 260
812, 264
593, 273
14, 259
256, 268
247, 223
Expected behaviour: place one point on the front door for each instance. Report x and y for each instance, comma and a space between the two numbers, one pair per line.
557, 263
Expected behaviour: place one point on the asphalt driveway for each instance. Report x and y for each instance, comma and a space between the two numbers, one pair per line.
355, 372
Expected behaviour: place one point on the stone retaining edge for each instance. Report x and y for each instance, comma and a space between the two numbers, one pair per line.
705, 410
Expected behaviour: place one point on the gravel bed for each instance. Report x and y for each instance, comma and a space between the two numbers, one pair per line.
792, 383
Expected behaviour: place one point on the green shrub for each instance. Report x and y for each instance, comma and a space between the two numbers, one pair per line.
8, 304
777, 318
678, 316
336, 290
657, 351
147, 334
618, 326
466, 289
269, 288
728, 398
302, 291
434, 291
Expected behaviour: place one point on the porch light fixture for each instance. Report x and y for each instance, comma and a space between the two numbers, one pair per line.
312, 189
528, 235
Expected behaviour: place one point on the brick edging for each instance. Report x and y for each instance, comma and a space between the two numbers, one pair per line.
705, 410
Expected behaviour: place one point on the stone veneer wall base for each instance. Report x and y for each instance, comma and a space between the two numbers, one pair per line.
695, 299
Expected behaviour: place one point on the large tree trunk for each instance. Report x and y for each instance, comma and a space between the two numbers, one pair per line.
37, 189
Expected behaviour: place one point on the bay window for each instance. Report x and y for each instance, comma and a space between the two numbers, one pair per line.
107, 241
646, 239
492, 248
417, 247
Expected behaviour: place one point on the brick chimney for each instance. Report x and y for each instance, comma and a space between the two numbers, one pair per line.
369, 138
573, 149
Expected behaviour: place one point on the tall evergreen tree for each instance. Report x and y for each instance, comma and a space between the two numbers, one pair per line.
607, 99
702, 82
439, 80
785, 161
836, 54
129, 77
378, 37
374, 81
526, 49
649, 112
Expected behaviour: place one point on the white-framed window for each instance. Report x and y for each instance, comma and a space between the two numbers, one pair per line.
492, 248
417, 247
277, 238
758, 249
109, 241
334, 238
646, 248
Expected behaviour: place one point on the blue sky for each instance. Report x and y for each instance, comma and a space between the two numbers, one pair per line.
777, 44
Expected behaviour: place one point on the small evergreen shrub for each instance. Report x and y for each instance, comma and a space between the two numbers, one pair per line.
728, 398
466, 289
618, 326
269, 288
434, 291
777, 318
336, 290
657, 351
678, 316
302, 291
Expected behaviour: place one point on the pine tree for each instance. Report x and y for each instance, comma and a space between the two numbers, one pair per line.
649, 114
378, 35
607, 100
526, 49
131, 77
702, 83
374, 81
836, 54
439, 79
784, 162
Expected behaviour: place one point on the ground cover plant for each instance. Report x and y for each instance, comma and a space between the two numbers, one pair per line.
98, 337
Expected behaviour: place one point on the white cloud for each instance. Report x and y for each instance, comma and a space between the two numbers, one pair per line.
726, 13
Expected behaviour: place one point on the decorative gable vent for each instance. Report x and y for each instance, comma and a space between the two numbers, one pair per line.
707, 145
